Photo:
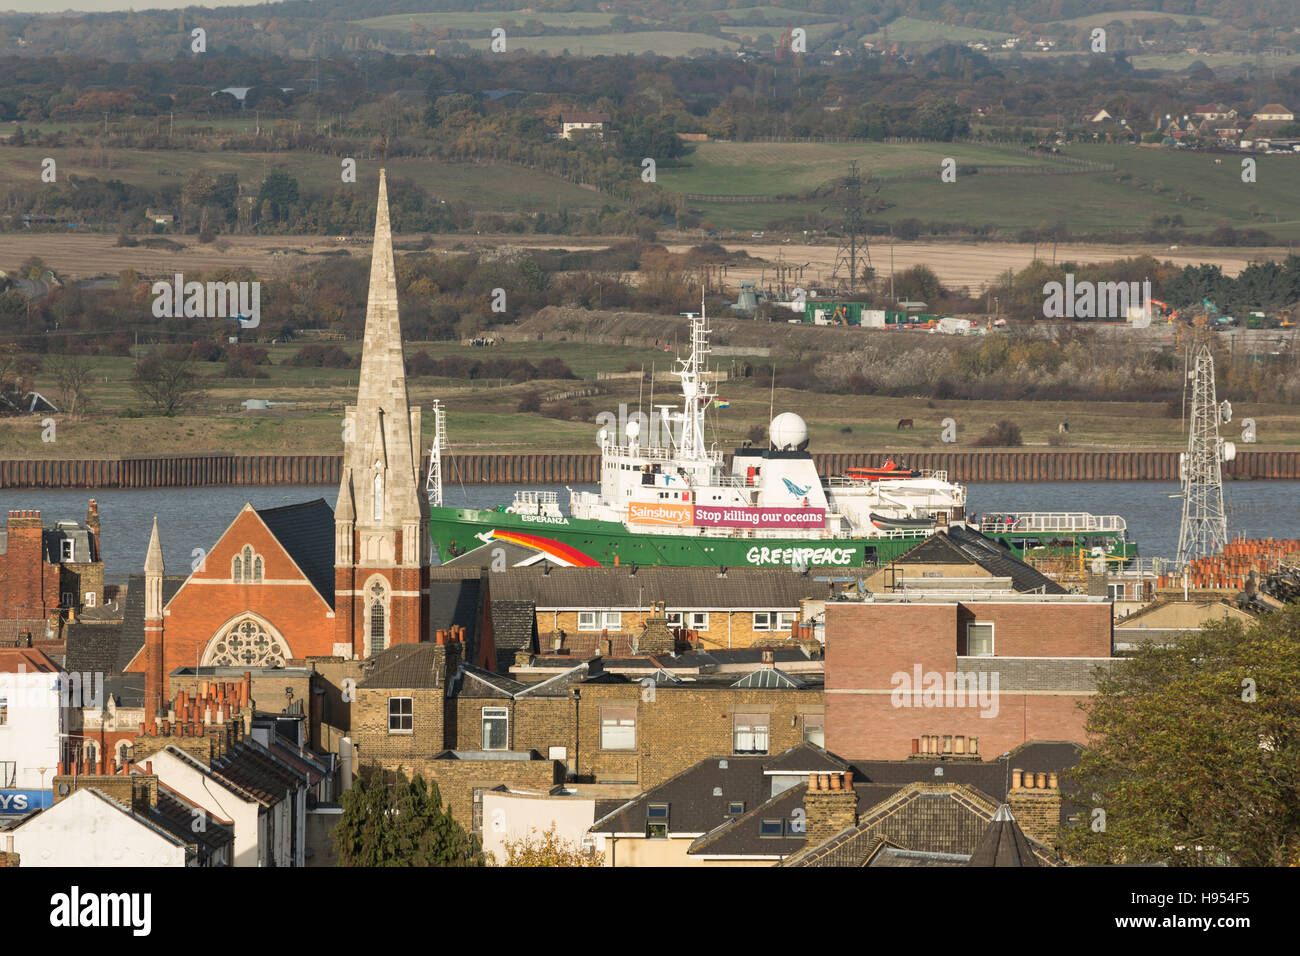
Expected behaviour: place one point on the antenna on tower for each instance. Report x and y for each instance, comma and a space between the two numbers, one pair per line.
1204, 529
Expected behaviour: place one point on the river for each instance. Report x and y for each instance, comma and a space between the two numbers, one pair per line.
192, 518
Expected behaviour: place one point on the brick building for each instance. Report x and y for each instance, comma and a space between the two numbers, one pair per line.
45, 573
994, 665
576, 606
598, 725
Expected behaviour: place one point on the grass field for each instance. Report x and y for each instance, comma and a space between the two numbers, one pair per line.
482, 415
912, 30
505, 188
1162, 182
770, 169
1131, 16
659, 42
815, 30
483, 20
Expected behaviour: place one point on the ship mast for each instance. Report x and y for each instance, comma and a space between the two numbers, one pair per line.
433, 483
696, 392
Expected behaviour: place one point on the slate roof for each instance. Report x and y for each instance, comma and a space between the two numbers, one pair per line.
514, 628
127, 690
456, 597
494, 551
475, 682
306, 532
402, 666
697, 589
742, 836
693, 805
961, 545
1004, 843
132, 636
93, 648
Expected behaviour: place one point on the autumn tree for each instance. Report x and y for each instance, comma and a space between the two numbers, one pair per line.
548, 849
400, 822
71, 378
1194, 755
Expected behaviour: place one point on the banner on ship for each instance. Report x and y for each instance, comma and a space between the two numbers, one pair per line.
721, 517
665, 513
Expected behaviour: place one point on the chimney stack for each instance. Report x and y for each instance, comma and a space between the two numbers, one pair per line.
830, 806
1035, 800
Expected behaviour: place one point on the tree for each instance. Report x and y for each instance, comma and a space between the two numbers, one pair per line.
280, 190
71, 376
400, 824
170, 384
1194, 756
548, 849
1005, 434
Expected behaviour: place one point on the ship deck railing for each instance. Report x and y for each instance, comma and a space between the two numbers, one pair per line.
652, 453
1050, 521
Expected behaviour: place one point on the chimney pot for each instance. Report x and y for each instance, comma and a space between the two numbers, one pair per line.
148, 767
959, 744
823, 781
1016, 776
1042, 781
836, 781
947, 743
973, 745
848, 779
916, 745
1052, 781
812, 781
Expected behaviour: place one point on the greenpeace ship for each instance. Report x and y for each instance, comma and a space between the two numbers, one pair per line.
681, 503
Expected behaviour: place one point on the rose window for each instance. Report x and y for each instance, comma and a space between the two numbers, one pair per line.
247, 644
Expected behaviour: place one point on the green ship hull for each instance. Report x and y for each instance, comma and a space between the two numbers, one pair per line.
588, 543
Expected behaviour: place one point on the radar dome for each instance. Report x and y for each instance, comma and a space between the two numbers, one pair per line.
788, 432
632, 429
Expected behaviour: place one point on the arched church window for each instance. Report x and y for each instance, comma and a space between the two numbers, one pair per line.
246, 643
257, 570
378, 618
237, 569
248, 563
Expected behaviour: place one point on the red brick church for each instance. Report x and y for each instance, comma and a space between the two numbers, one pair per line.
304, 581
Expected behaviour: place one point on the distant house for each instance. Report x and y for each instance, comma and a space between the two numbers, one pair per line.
1214, 111
1101, 116
1273, 113
594, 123
160, 216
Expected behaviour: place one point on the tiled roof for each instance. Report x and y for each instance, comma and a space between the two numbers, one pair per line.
27, 659
805, 759
456, 597
306, 532
127, 690
176, 814
696, 589
252, 768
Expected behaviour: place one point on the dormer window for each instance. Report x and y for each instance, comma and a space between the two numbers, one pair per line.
65, 549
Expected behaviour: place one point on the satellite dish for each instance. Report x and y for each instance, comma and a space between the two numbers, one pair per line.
632, 430
1229, 451
1226, 411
